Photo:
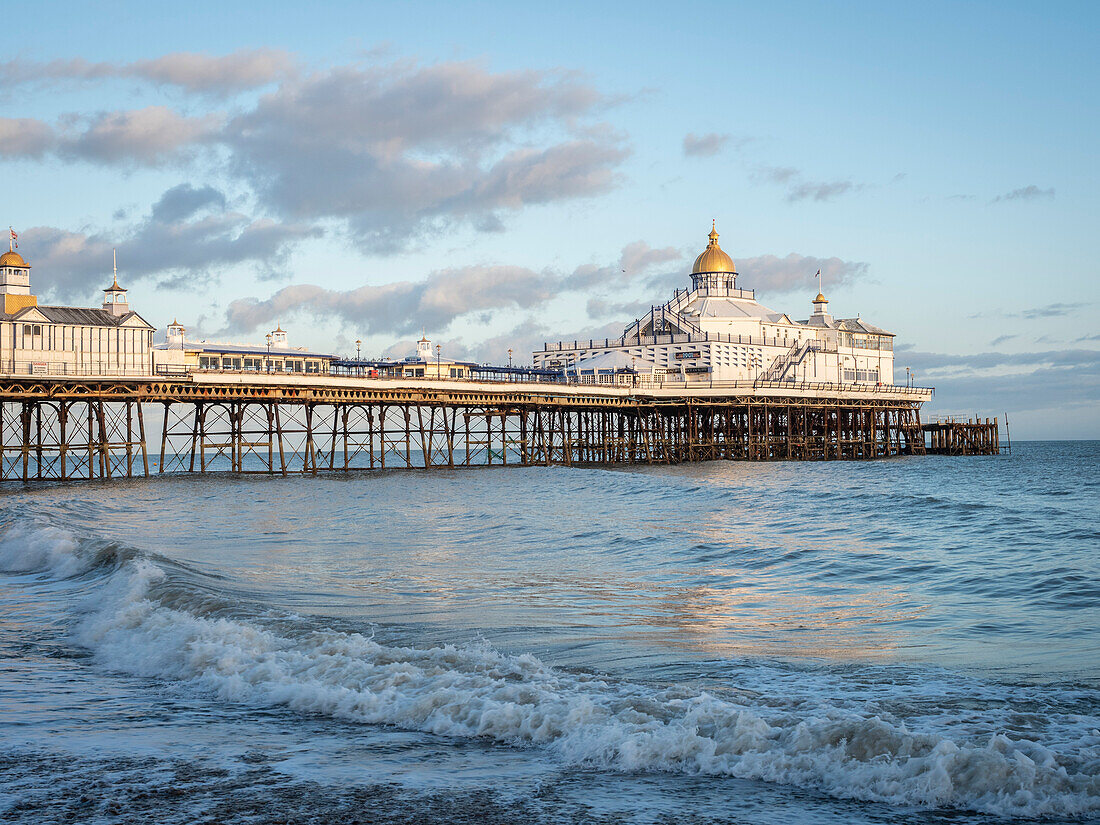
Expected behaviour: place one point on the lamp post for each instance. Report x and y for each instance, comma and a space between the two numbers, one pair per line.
438, 349
907, 376
268, 337
509, 357
358, 366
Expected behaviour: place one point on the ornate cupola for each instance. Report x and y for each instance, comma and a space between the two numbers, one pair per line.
114, 296
424, 349
278, 338
175, 335
714, 271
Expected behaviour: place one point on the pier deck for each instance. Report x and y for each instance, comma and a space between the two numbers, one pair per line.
84, 428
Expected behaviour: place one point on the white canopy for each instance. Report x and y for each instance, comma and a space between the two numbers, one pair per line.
614, 360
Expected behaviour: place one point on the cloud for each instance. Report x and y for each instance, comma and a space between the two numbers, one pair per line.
1070, 358
1056, 310
821, 191
799, 188
604, 308
191, 71
637, 259
148, 137
776, 174
394, 151
1026, 193
404, 306
704, 146
185, 200
772, 273
1001, 339
237, 71
1053, 393
24, 137
151, 136
187, 235
1056, 382
388, 152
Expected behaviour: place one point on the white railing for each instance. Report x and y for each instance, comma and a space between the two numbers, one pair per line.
680, 338
61, 370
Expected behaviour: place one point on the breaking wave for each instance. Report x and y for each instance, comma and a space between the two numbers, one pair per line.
149, 617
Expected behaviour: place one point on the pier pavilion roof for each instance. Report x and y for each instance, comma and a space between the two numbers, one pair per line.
76, 316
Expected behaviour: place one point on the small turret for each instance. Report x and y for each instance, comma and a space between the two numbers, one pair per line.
175, 334
278, 338
114, 296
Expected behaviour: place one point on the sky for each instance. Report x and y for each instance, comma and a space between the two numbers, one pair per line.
500, 175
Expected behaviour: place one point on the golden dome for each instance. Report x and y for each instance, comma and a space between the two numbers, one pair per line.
821, 299
13, 258
713, 258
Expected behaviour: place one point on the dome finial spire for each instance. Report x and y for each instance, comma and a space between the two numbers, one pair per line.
713, 232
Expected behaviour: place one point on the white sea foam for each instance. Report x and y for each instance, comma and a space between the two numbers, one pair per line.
582, 719
30, 546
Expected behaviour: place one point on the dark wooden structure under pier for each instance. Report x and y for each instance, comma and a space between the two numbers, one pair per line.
957, 437
73, 429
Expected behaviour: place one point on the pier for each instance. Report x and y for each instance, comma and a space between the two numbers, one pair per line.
69, 429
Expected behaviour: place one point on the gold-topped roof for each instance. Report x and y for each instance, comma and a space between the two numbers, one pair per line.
13, 258
821, 299
713, 258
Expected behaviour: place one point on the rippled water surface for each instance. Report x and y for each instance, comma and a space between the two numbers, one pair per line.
904, 640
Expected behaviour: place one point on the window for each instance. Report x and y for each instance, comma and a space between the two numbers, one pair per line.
861, 376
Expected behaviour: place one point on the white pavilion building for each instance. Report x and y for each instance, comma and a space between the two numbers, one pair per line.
717, 331
39, 339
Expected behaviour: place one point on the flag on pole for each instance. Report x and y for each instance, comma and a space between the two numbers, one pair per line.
12, 242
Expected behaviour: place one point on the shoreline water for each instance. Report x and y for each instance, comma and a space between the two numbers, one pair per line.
664, 628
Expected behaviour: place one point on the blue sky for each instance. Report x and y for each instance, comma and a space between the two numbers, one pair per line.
501, 174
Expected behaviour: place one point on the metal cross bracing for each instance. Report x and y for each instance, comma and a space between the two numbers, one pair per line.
85, 431
72, 439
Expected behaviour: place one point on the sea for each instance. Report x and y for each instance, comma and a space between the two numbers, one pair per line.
907, 640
